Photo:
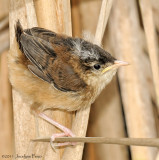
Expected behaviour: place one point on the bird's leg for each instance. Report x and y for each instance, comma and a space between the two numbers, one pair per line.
67, 132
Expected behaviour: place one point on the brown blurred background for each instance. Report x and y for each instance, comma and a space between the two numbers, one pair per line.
128, 106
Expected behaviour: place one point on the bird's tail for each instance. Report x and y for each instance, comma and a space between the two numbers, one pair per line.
18, 32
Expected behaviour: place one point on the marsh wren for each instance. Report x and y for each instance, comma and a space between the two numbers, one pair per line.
58, 71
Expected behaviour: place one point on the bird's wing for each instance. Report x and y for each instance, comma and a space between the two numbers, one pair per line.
48, 66
41, 33
49, 36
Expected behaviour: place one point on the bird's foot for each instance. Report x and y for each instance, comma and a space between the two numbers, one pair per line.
68, 133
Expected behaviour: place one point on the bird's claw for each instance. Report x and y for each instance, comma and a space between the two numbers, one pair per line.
52, 139
52, 145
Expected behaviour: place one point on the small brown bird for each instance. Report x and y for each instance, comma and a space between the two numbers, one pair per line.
58, 71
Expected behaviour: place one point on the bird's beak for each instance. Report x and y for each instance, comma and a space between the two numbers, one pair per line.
116, 64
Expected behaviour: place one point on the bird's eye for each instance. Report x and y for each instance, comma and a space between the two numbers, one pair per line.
97, 66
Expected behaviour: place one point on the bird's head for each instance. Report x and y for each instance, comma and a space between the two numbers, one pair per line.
97, 66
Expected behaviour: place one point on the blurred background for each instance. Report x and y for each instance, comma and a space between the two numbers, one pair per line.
129, 105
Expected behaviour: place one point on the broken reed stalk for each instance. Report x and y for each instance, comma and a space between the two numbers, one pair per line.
151, 37
125, 32
31, 15
6, 121
150, 142
54, 16
80, 123
108, 109
24, 121
102, 21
